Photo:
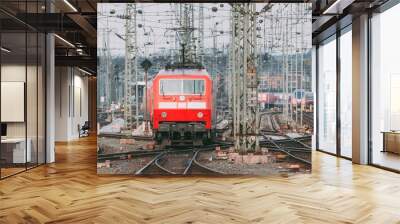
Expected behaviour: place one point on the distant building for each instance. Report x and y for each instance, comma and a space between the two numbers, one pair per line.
276, 83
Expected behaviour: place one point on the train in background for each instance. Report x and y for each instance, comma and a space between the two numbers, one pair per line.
299, 97
180, 106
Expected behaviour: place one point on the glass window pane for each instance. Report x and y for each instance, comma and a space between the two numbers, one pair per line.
188, 86
22, 78
193, 86
170, 87
346, 94
327, 97
385, 86
13, 86
31, 97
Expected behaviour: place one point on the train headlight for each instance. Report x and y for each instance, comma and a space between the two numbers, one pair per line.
181, 98
164, 114
200, 114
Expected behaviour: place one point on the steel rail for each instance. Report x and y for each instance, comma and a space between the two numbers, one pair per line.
279, 148
193, 162
149, 164
201, 166
189, 166
125, 136
124, 155
157, 162
301, 143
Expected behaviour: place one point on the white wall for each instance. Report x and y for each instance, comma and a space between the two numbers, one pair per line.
71, 94
12, 73
33, 126
61, 103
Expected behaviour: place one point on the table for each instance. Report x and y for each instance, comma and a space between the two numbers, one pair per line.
16, 147
391, 141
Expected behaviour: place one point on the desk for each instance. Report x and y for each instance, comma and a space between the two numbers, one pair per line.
16, 147
391, 141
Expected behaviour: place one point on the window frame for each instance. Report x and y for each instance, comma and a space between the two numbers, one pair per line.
181, 88
334, 37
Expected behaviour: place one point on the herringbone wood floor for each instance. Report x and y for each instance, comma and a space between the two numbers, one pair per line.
69, 191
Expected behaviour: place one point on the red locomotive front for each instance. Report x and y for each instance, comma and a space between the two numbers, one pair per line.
181, 104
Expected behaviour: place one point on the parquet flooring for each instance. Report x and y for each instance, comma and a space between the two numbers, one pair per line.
70, 191
10, 171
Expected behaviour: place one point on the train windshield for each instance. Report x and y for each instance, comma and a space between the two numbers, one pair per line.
299, 95
170, 87
193, 87
186, 87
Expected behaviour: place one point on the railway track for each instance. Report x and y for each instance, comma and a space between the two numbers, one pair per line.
293, 148
308, 118
181, 160
196, 167
288, 142
292, 143
305, 141
141, 153
271, 122
298, 155
153, 166
299, 141
268, 144
275, 123
304, 138
177, 162
124, 136
126, 155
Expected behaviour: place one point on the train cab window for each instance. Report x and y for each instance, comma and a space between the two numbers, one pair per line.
193, 87
299, 95
176, 87
170, 87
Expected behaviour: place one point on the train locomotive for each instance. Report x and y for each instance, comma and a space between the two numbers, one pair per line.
180, 106
303, 98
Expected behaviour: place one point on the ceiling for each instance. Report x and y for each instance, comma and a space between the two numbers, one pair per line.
75, 28
75, 21
332, 15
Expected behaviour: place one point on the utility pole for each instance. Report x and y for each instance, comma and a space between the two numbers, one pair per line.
146, 64
130, 64
302, 68
214, 76
286, 69
246, 113
201, 33
185, 32
296, 68
231, 67
235, 52
107, 65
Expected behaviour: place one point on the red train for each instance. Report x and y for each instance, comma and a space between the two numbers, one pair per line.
180, 105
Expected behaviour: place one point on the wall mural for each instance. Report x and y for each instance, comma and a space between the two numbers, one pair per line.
204, 89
